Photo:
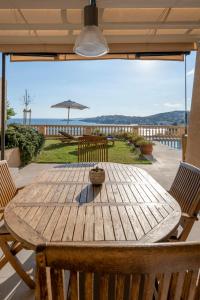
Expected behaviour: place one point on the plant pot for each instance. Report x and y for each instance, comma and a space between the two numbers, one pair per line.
97, 176
146, 149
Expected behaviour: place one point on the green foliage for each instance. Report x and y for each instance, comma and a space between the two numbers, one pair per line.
54, 151
144, 142
28, 140
10, 111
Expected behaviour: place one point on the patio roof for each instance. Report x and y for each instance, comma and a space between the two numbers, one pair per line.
130, 26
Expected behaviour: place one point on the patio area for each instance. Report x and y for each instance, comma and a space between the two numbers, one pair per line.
102, 221
163, 170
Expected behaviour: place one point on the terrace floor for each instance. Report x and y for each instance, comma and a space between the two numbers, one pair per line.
163, 170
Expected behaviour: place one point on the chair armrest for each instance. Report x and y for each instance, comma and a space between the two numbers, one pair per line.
185, 216
20, 188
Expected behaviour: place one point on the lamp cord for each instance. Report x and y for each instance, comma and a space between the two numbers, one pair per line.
93, 2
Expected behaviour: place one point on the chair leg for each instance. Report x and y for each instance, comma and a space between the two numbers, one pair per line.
16, 264
14, 249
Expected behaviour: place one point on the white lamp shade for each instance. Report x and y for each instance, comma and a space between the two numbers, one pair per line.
91, 42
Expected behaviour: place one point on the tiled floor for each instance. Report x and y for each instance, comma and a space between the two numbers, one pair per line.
163, 170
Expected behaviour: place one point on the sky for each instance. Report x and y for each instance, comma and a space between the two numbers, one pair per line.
134, 88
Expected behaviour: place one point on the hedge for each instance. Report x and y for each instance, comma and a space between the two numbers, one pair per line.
27, 139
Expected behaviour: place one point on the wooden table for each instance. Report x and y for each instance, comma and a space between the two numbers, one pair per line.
62, 206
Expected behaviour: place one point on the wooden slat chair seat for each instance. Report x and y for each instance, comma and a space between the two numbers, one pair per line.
186, 190
119, 273
9, 246
92, 149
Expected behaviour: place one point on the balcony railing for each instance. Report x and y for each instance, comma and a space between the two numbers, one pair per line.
148, 131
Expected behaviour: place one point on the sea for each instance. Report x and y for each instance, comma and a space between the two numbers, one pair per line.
50, 121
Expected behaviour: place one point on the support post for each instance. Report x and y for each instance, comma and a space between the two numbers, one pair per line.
3, 106
193, 143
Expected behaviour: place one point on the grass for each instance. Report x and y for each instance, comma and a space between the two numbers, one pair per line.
54, 151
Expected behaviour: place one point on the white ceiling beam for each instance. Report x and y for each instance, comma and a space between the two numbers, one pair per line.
105, 25
64, 4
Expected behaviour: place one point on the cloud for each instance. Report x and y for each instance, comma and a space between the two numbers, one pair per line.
172, 105
191, 72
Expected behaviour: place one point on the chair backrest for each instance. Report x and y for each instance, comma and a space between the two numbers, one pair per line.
186, 188
169, 270
67, 135
7, 185
92, 149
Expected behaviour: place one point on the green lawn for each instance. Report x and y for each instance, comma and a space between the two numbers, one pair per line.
54, 151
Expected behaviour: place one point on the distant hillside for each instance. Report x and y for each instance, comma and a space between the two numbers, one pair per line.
167, 118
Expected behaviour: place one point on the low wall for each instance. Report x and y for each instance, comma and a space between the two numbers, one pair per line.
13, 157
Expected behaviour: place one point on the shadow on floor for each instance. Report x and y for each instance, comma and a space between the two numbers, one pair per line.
13, 288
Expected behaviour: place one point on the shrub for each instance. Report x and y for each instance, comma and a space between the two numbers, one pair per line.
28, 140
144, 142
137, 140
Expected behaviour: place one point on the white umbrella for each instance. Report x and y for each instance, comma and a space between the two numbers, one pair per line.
69, 105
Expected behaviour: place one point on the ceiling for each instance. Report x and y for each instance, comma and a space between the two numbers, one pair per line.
129, 26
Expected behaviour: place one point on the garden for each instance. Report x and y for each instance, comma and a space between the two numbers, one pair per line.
128, 148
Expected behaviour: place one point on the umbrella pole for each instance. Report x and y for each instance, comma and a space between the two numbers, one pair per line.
68, 115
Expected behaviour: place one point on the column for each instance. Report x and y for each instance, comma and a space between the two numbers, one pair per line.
193, 144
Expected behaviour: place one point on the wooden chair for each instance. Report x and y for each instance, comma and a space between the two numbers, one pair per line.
140, 272
66, 137
92, 149
186, 190
9, 246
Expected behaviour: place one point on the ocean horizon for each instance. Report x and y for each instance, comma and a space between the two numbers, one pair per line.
50, 121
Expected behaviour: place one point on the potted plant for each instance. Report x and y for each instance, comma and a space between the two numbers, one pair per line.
97, 176
137, 140
146, 147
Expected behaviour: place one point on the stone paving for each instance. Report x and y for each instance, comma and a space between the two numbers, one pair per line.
163, 169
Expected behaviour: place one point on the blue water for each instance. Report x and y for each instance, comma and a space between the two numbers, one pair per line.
50, 122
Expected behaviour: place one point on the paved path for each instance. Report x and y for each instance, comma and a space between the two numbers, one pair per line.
163, 170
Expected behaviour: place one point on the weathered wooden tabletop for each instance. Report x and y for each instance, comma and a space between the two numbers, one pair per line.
62, 205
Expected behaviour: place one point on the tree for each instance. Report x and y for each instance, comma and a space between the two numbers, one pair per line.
10, 111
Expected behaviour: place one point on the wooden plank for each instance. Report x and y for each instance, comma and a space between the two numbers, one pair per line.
69, 229
155, 212
60, 4
149, 216
98, 223
142, 219
136, 194
117, 225
60, 226
34, 222
80, 222
44, 220
123, 193
111, 197
49, 230
89, 224
116, 193
128, 230
139, 232
108, 226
